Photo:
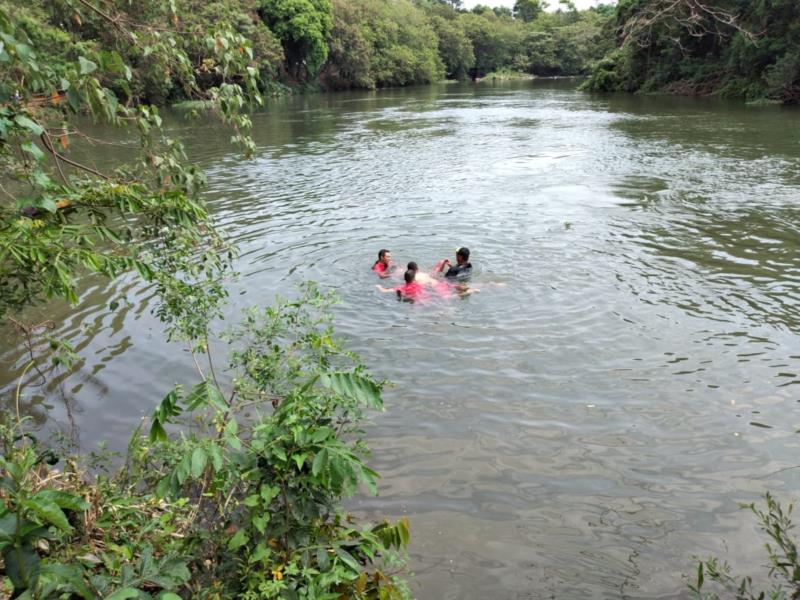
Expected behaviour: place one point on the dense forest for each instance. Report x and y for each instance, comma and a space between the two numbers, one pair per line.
732, 48
329, 44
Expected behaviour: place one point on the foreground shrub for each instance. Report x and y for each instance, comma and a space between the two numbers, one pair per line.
715, 580
242, 501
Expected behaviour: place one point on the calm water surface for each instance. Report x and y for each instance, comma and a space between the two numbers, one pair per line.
581, 432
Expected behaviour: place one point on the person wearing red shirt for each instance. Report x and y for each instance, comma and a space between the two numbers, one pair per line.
383, 264
411, 290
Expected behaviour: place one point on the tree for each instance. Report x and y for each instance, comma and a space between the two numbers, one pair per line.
528, 10
225, 512
455, 4
349, 61
59, 217
480, 9
733, 48
303, 27
495, 41
455, 48
377, 43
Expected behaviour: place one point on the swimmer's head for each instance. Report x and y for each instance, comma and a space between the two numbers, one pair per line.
409, 275
462, 255
384, 256
412, 266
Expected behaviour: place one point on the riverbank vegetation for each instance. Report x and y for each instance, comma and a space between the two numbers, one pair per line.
234, 489
243, 501
728, 48
715, 579
318, 44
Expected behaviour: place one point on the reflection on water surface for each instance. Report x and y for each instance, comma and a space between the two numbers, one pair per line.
584, 430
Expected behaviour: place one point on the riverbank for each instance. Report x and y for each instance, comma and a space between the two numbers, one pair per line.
747, 51
348, 45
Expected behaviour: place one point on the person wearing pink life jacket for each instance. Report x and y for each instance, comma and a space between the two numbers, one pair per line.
411, 291
384, 263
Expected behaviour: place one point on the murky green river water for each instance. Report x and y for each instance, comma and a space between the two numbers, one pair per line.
581, 432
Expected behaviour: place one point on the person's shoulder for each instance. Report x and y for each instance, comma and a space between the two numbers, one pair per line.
459, 270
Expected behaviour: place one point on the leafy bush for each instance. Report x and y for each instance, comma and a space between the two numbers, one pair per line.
245, 507
784, 563
244, 504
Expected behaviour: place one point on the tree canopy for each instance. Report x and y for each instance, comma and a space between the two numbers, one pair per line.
732, 48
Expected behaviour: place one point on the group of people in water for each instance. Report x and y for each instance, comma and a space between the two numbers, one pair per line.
419, 284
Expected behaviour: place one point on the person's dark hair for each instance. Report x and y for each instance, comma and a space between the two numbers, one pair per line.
409, 275
382, 252
463, 253
412, 266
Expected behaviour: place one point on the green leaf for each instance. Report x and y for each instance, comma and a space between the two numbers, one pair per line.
169, 596
124, 594
320, 434
216, 456
320, 461
42, 179
269, 492
402, 528
22, 566
86, 65
199, 460
323, 560
262, 551
8, 525
206, 393
48, 511
231, 427
71, 576
63, 500
157, 433
348, 559
368, 477
238, 540
33, 150
182, 470
170, 573
75, 98
112, 62
260, 522
355, 386
28, 124
299, 459
46, 203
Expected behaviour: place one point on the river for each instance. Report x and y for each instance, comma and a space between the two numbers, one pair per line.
581, 430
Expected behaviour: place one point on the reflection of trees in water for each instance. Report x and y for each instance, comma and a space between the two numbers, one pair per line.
42, 369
